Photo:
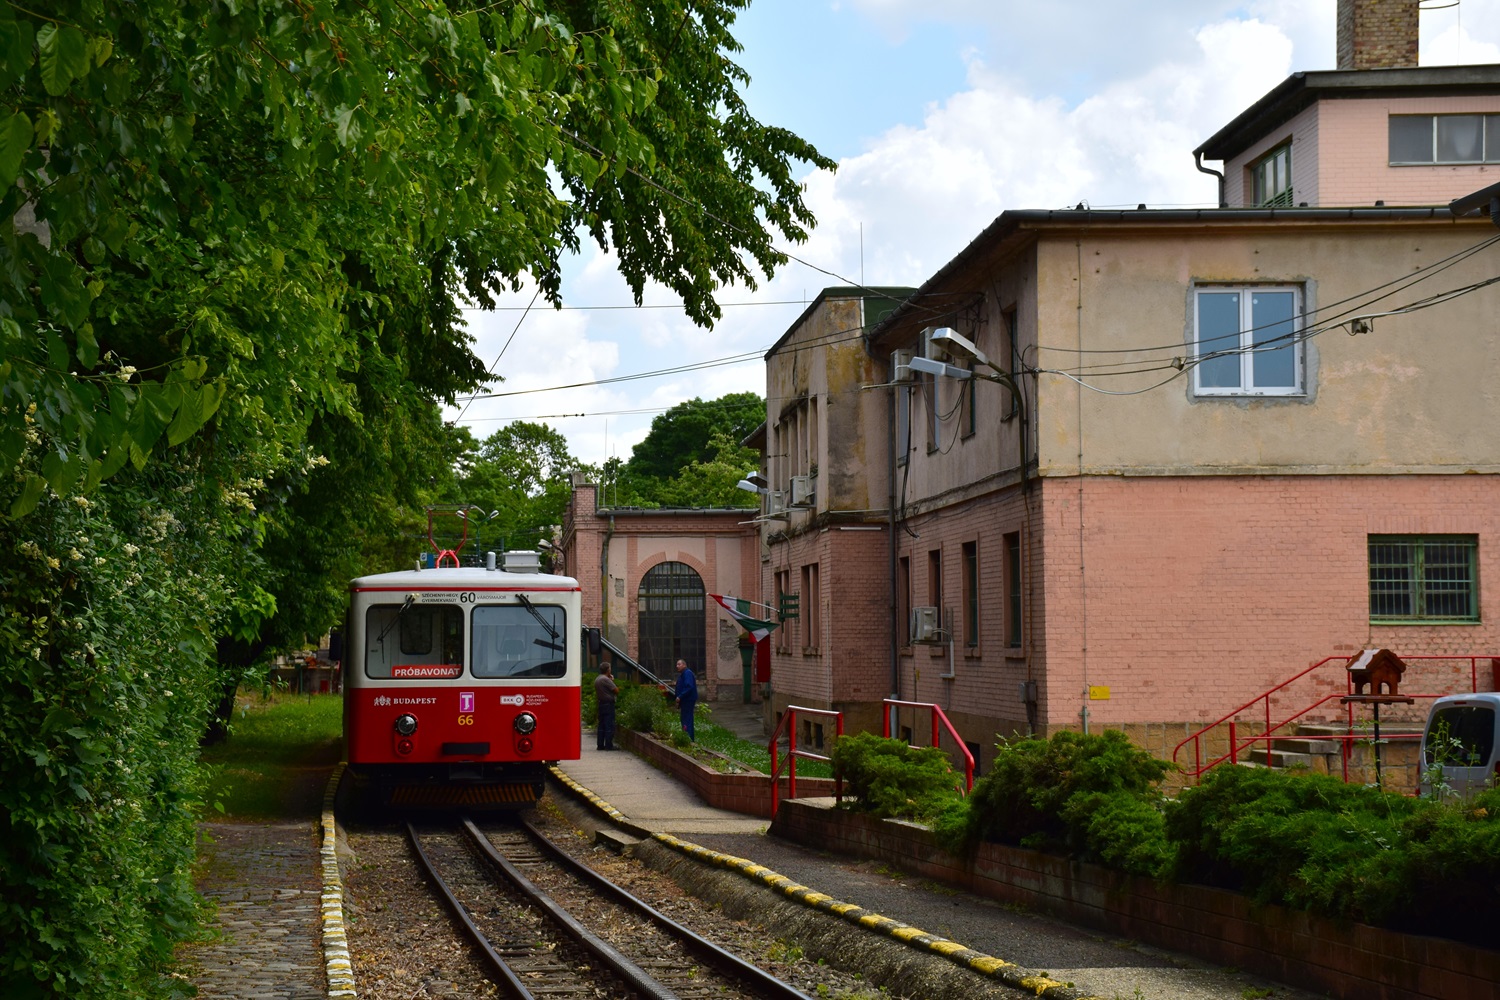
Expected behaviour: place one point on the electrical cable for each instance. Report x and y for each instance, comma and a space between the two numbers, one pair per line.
493, 365
1298, 335
836, 337
1404, 281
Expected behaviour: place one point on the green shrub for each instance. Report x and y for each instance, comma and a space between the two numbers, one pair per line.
1308, 841
107, 677
590, 699
1091, 796
890, 779
643, 709
1451, 869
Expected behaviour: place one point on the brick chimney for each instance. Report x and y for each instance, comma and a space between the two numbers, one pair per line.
1377, 34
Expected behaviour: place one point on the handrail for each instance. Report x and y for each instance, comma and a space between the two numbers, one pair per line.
620, 656
938, 715
1238, 743
789, 723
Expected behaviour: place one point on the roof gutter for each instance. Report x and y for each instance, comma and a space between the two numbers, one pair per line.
1012, 222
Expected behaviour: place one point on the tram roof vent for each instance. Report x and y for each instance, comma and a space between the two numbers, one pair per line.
523, 562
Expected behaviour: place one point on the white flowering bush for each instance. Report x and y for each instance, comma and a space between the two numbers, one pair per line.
107, 675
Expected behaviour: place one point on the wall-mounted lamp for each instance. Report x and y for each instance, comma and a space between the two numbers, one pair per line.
951, 341
749, 485
956, 345
927, 366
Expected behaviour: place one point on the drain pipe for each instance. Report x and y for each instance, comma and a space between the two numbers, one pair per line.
890, 506
1198, 162
609, 533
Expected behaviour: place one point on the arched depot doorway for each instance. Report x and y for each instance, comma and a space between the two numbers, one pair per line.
671, 615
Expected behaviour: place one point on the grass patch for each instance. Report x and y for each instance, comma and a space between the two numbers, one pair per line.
755, 755
276, 761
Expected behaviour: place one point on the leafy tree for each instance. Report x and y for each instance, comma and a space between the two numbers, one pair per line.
521, 474
237, 236
217, 189
685, 434
712, 483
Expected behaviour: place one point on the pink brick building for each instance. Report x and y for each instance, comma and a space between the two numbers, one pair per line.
646, 576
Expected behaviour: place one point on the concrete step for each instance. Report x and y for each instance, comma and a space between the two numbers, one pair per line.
1256, 757
1314, 730
1302, 744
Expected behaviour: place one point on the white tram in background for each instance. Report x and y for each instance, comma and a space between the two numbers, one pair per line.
460, 684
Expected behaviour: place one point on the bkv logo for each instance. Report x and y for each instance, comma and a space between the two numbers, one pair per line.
513, 699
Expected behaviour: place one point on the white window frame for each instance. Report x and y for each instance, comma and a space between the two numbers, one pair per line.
1246, 343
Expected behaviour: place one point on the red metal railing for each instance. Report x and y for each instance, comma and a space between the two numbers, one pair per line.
939, 722
1333, 689
789, 724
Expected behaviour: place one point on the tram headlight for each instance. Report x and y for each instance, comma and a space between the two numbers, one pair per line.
525, 723
406, 724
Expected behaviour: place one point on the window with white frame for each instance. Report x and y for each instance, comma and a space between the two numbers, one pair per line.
1418, 139
1247, 340
1271, 178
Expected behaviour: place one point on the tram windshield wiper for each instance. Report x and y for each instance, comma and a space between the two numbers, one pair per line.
525, 603
410, 600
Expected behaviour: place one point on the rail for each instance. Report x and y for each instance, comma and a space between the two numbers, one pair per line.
789, 724
621, 657
1270, 730
939, 722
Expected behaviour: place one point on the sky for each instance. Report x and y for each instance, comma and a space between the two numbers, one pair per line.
941, 114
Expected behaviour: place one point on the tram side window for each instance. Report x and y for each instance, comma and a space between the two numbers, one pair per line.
509, 641
414, 642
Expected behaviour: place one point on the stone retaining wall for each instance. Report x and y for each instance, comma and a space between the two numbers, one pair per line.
1346, 960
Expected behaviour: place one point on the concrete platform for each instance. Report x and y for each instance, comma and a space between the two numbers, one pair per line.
650, 798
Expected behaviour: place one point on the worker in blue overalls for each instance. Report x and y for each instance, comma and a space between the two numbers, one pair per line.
687, 696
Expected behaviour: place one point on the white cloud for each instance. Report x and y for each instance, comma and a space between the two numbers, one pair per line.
924, 192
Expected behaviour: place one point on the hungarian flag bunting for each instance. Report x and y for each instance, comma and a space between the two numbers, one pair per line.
739, 609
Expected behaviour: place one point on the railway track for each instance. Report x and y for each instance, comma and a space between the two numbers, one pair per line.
548, 926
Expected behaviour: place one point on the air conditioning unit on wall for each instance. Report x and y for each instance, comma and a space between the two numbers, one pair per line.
901, 366
802, 491
927, 626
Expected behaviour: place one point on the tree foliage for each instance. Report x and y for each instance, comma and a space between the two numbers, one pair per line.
238, 239
692, 456
249, 177
711, 482
521, 476
689, 432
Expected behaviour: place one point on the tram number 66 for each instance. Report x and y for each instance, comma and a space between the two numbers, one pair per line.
466, 720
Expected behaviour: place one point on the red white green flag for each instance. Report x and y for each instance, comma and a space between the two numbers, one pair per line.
741, 611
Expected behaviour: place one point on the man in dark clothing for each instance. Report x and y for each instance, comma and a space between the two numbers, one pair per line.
605, 693
687, 696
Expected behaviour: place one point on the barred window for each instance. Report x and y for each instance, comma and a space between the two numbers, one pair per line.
1424, 578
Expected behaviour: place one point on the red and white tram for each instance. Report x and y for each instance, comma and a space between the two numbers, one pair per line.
461, 684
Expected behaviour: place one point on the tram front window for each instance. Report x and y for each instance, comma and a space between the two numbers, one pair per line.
414, 641
513, 640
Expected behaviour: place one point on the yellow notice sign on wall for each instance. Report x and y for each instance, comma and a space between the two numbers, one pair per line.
1097, 692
